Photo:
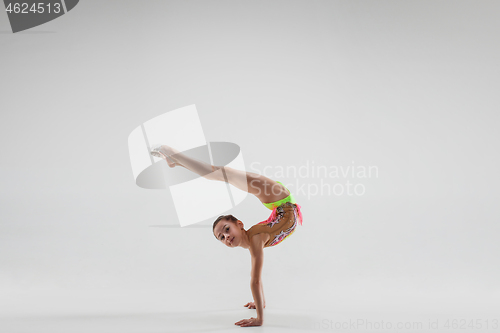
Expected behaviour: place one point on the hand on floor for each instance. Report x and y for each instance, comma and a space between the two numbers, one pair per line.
249, 322
251, 305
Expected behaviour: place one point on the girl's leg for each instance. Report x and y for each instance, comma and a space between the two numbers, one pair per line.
265, 189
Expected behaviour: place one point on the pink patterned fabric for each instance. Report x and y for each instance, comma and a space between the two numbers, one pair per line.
276, 216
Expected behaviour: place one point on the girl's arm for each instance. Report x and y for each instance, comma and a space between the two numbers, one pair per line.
263, 297
257, 252
251, 305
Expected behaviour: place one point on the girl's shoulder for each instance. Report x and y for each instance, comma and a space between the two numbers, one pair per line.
258, 236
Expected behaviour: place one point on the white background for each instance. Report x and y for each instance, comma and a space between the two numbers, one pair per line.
410, 87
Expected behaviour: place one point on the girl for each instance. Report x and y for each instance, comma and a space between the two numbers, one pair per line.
230, 231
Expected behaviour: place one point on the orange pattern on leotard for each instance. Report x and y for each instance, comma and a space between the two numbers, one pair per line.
279, 225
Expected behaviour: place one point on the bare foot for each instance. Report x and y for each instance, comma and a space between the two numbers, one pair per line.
165, 152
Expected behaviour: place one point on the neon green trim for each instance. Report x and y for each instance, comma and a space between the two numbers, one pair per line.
289, 198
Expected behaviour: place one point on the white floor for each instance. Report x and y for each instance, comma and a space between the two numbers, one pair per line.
144, 312
222, 320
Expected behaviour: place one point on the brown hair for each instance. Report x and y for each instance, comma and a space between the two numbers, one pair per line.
230, 218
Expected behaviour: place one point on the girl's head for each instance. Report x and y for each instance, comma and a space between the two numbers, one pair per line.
228, 229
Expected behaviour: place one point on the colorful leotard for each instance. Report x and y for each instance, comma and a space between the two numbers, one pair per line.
282, 222
272, 205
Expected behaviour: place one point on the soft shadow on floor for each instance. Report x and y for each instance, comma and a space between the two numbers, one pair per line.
183, 322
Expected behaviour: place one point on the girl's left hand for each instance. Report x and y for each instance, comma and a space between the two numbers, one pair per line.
249, 322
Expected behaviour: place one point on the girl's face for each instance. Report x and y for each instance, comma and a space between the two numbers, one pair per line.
229, 233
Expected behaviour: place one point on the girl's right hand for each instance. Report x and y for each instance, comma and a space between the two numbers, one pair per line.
251, 305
